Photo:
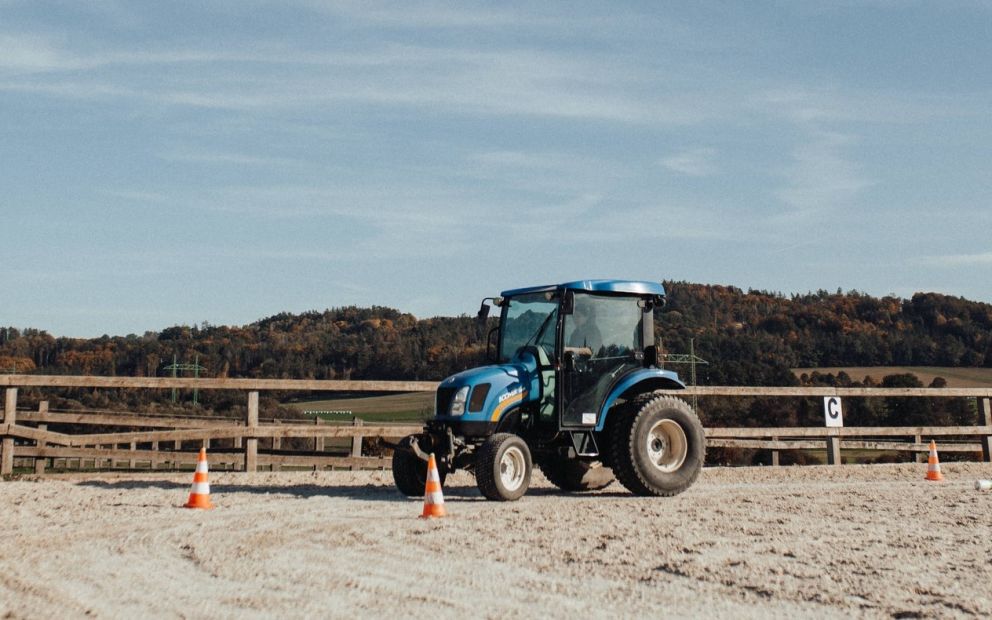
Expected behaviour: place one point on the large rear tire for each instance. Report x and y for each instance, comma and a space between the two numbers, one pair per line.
658, 446
410, 473
503, 467
576, 476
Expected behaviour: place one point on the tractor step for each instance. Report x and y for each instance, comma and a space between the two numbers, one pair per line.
584, 443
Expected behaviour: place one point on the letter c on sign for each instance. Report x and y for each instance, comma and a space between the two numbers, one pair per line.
833, 411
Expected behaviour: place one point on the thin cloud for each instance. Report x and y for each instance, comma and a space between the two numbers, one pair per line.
807, 105
426, 15
30, 53
518, 159
434, 16
694, 162
73, 89
821, 177
552, 173
514, 81
596, 219
959, 260
136, 195
225, 159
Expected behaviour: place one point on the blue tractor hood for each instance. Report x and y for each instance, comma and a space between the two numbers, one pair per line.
492, 390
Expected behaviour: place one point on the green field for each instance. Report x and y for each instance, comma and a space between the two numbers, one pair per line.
405, 407
955, 376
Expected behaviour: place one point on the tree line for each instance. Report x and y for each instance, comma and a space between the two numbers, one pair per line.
747, 338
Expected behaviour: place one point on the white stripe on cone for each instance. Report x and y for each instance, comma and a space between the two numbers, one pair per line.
200, 488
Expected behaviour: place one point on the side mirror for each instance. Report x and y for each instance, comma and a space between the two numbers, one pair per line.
490, 348
482, 317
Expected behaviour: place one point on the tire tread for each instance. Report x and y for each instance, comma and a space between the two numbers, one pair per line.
622, 445
405, 474
485, 474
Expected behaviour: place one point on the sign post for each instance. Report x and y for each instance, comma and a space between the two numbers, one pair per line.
833, 415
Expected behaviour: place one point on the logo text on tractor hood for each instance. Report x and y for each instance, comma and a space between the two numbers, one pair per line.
511, 393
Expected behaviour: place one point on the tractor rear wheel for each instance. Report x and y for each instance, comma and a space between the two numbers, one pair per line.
410, 473
575, 476
658, 446
503, 467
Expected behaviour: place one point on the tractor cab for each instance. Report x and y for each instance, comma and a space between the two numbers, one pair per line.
582, 338
573, 366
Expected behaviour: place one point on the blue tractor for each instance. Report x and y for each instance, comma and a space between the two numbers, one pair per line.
571, 390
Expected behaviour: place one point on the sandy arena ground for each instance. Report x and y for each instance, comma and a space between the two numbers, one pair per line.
865, 541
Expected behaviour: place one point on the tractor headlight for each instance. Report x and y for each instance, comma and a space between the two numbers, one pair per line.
458, 402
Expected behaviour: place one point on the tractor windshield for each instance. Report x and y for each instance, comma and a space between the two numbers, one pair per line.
528, 320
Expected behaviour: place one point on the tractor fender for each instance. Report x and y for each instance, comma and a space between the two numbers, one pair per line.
639, 382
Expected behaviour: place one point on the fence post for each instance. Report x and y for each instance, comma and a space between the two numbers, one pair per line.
39, 462
356, 441
9, 417
921, 457
833, 450
251, 443
775, 453
318, 442
987, 440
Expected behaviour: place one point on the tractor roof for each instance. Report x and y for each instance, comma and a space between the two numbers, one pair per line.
627, 287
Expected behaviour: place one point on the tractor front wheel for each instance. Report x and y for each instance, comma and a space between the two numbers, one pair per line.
503, 467
410, 473
658, 446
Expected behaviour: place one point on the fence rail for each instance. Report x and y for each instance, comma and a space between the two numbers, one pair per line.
24, 435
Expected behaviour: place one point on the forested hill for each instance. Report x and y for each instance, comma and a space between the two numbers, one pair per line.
752, 337
341, 343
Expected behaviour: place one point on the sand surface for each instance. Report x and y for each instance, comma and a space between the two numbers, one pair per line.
865, 541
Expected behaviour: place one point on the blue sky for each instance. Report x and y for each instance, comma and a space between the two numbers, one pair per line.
181, 162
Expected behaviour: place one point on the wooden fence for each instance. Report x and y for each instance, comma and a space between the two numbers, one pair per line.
173, 441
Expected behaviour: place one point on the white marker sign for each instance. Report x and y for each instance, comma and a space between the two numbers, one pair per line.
832, 411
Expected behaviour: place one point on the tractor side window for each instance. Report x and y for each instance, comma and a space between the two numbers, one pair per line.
604, 334
604, 327
528, 320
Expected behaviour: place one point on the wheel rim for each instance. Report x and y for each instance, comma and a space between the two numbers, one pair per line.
667, 446
512, 468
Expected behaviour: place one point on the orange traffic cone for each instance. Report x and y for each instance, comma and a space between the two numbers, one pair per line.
433, 498
933, 464
199, 494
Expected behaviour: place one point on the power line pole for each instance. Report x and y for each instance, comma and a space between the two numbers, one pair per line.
176, 367
691, 359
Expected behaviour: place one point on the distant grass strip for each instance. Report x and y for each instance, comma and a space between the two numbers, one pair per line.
407, 407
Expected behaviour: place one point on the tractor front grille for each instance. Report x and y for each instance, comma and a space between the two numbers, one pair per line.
443, 402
